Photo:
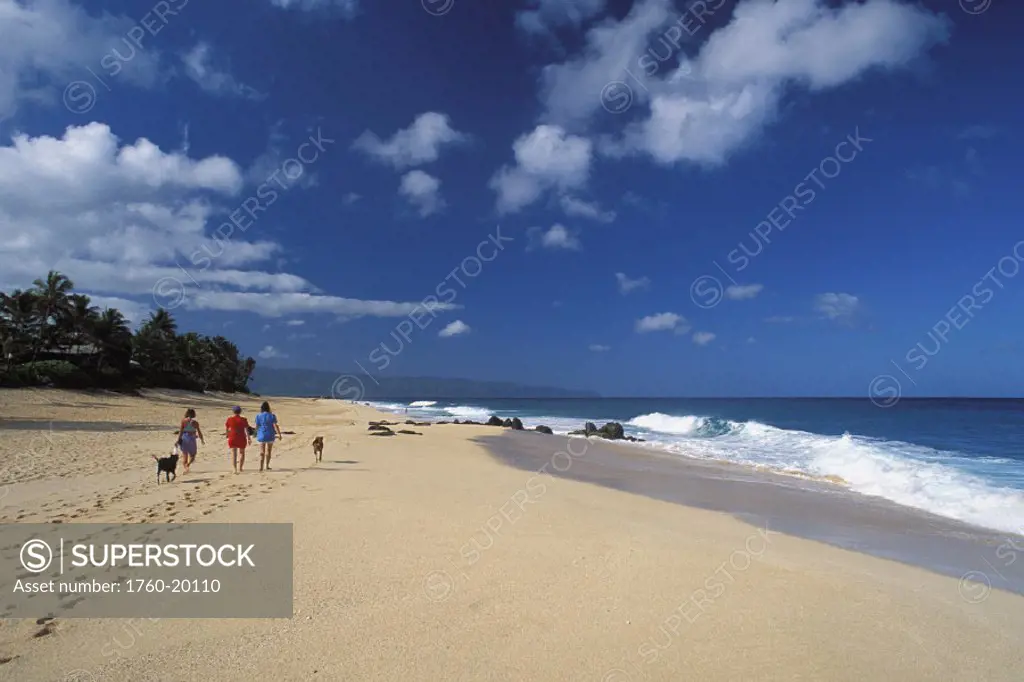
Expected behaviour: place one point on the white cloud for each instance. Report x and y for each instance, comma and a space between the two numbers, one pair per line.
546, 158
133, 311
423, 191
779, 319
662, 322
598, 348
350, 198
627, 285
712, 105
556, 237
454, 329
270, 304
703, 338
839, 307
571, 92
200, 68
416, 145
751, 339
545, 15
577, 208
47, 43
126, 220
741, 292
269, 352
295, 323
347, 8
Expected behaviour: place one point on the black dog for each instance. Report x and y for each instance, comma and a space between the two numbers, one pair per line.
167, 465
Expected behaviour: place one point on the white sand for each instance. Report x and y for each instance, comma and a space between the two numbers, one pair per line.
422, 558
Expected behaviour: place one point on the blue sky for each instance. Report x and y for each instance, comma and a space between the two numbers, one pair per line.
626, 188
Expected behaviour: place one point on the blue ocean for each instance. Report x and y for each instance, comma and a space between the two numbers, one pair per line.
958, 458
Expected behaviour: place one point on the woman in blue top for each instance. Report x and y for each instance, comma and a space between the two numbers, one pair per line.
266, 426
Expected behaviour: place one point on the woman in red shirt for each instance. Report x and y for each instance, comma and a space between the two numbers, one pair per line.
236, 428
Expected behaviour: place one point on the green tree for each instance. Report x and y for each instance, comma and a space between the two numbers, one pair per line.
113, 340
52, 301
86, 345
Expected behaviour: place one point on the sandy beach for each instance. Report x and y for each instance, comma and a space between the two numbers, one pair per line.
425, 557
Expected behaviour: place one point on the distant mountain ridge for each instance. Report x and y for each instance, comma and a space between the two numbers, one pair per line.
314, 383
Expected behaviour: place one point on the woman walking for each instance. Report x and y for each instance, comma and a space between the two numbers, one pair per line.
188, 431
236, 428
266, 426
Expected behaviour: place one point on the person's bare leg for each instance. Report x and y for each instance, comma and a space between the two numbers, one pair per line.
234, 459
270, 448
241, 459
263, 454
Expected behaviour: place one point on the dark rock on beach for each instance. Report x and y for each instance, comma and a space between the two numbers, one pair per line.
384, 431
610, 431
495, 421
411, 433
383, 423
613, 430
377, 427
516, 424
543, 429
411, 422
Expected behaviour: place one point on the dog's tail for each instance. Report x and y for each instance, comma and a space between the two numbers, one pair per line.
155, 458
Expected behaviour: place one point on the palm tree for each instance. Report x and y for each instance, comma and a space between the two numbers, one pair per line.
162, 322
19, 313
154, 343
50, 317
191, 356
112, 337
52, 298
77, 320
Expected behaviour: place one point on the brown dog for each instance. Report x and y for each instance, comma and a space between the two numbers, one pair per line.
318, 448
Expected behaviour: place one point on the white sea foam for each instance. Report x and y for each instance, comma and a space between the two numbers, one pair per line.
423, 403
943, 483
666, 423
387, 407
940, 482
468, 412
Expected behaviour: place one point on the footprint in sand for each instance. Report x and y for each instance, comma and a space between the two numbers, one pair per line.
46, 630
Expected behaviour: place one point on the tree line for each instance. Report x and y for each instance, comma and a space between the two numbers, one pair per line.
52, 336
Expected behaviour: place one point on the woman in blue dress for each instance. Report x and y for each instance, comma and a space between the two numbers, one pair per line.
267, 430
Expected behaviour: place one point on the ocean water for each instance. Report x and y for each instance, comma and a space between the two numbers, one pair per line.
958, 458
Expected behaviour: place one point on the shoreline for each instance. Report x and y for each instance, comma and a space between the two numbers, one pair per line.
812, 509
425, 557
904, 473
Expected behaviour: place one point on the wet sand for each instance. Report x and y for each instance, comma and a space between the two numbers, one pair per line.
981, 559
